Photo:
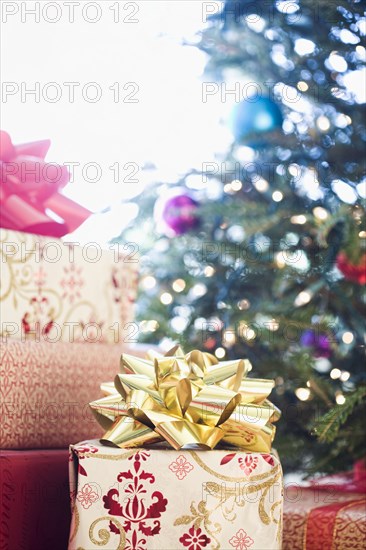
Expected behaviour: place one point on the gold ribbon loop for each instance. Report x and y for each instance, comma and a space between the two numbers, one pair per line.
108, 388
229, 371
140, 382
180, 434
127, 432
136, 365
212, 405
255, 390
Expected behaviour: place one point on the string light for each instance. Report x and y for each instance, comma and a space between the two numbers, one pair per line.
233, 187
229, 337
148, 282
280, 261
220, 353
261, 185
209, 271
236, 185
347, 337
277, 196
273, 325
200, 323
336, 62
362, 234
149, 326
302, 86
166, 298
244, 154
179, 285
243, 305
247, 332
345, 376
302, 394
303, 298
299, 220
340, 399
343, 120
323, 123
228, 189
335, 374
198, 290
250, 334
322, 364
294, 169
320, 213
179, 324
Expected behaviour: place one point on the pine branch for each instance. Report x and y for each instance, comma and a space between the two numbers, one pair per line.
316, 387
327, 428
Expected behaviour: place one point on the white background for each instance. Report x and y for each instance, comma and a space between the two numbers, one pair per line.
169, 126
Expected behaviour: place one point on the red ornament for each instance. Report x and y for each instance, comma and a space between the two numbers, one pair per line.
210, 343
352, 272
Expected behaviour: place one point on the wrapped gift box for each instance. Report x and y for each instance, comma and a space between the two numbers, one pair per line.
323, 519
45, 390
56, 291
35, 505
159, 498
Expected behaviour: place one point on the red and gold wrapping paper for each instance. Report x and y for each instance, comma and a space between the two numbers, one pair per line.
45, 390
323, 519
35, 504
52, 291
160, 498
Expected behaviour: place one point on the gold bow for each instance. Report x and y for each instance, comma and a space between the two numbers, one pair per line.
186, 400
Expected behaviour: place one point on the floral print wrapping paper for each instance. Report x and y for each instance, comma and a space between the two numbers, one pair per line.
53, 290
162, 499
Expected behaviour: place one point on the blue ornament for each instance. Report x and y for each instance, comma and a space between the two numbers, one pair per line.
252, 118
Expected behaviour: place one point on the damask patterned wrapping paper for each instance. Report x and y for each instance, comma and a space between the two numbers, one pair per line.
46, 388
53, 291
317, 519
162, 499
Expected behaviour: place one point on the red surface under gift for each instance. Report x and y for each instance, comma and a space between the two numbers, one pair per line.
35, 505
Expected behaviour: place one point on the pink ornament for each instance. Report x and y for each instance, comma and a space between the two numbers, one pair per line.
177, 213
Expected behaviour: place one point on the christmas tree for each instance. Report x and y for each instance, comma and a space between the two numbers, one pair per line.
260, 254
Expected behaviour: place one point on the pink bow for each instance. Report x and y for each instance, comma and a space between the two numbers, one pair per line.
29, 186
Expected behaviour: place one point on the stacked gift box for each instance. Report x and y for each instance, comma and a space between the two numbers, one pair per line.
185, 460
66, 315
328, 513
50, 374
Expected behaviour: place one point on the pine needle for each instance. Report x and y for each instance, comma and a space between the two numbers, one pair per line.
327, 428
